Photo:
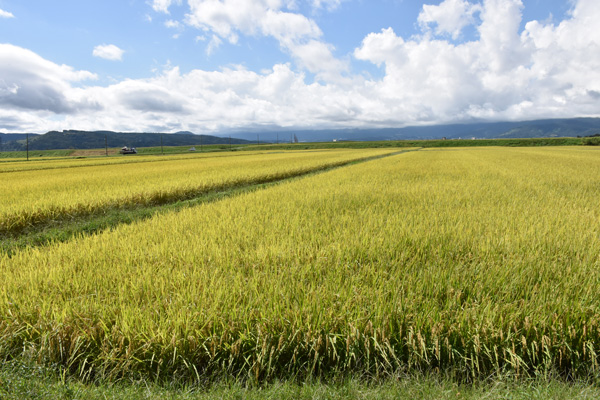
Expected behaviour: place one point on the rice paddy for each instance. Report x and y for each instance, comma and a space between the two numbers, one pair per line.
68, 188
473, 262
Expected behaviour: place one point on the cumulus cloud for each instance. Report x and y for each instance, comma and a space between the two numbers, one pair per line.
147, 97
176, 25
6, 14
450, 16
543, 71
296, 34
173, 24
163, 5
108, 52
27, 81
317, 57
213, 44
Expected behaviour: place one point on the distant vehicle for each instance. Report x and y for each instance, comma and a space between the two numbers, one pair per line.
128, 150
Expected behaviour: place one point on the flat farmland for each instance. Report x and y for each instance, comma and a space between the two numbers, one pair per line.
474, 262
41, 191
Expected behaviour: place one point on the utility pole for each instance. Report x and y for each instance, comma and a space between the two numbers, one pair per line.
277, 137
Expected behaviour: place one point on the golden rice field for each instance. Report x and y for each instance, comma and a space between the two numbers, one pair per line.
473, 261
59, 163
14, 165
54, 191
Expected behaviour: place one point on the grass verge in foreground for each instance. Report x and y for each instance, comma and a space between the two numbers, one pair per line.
20, 381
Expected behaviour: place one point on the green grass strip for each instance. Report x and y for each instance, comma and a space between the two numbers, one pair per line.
24, 381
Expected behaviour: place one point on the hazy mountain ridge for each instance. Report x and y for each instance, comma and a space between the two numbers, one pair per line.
77, 139
572, 127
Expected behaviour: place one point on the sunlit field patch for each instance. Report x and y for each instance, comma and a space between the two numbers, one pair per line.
35, 196
474, 262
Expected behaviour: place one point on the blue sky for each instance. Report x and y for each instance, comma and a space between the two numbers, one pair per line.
211, 66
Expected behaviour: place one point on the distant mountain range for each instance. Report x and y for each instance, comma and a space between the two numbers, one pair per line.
572, 127
74, 139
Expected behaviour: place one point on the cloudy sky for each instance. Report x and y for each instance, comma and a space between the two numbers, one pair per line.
210, 66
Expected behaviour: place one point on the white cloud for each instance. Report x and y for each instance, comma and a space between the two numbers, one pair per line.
6, 14
147, 96
450, 16
288, 28
108, 52
163, 5
327, 4
213, 44
176, 25
173, 24
296, 34
499, 35
544, 71
317, 57
227, 17
29, 82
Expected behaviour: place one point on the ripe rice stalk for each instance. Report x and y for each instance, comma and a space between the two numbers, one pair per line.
474, 261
